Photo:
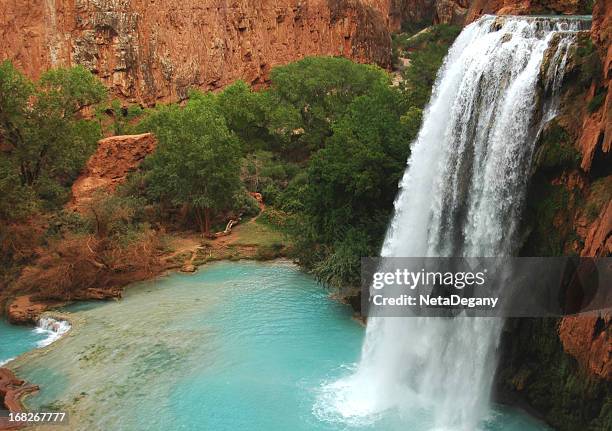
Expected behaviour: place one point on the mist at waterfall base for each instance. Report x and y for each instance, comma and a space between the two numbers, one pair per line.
461, 195
236, 346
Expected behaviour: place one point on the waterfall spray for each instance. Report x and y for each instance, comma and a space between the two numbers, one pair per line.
461, 195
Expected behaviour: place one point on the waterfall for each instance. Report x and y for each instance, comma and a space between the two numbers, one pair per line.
461, 195
52, 329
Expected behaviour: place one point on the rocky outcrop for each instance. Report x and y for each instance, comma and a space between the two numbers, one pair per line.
147, 51
587, 338
460, 12
601, 33
24, 311
598, 240
11, 391
114, 159
451, 11
562, 368
411, 11
478, 8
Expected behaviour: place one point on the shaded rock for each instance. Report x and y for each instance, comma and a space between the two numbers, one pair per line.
587, 338
188, 267
11, 391
109, 166
156, 51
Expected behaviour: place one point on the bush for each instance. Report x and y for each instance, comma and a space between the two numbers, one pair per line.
245, 204
275, 218
69, 267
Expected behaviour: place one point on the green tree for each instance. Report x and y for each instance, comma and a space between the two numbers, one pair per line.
45, 139
351, 184
246, 114
197, 161
308, 96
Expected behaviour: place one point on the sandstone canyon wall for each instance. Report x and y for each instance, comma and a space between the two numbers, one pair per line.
151, 50
155, 50
562, 368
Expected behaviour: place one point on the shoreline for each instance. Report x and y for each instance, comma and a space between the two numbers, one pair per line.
10, 369
14, 391
20, 396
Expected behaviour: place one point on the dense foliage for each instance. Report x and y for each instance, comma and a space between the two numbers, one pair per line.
197, 160
325, 144
45, 139
424, 52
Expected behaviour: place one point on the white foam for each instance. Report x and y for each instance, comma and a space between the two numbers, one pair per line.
6, 361
53, 329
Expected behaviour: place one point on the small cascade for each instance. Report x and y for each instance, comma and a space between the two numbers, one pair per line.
462, 195
52, 328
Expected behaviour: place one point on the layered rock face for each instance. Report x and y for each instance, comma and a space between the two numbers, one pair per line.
589, 338
563, 367
476, 8
150, 50
466, 11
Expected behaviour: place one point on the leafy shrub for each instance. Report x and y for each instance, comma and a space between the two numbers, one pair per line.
46, 141
245, 204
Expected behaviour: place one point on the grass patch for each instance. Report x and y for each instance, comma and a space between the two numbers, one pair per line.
258, 234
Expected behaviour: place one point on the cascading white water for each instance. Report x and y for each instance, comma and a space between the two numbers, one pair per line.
52, 328
461, 195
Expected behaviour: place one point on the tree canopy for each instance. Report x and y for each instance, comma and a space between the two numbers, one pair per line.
197, 160
45, 139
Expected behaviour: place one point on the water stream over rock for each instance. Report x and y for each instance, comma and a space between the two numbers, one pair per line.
461, 195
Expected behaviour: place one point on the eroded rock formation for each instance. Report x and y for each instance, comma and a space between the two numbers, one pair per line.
11, 390
110, 164
23, 311
150, 50
587, 338
477, 8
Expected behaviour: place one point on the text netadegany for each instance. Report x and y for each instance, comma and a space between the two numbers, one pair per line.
434, 301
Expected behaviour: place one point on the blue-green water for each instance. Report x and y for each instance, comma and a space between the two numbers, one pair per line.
236, 346
15, 340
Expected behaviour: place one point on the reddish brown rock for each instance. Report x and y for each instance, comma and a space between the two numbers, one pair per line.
411, 11
24, 311
598, 241
601, 33
587, 338
150, 50
478, 8
109, 166
451, 11
11, 391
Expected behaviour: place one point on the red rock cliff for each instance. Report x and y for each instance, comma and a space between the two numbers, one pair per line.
589, 338
148, 50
